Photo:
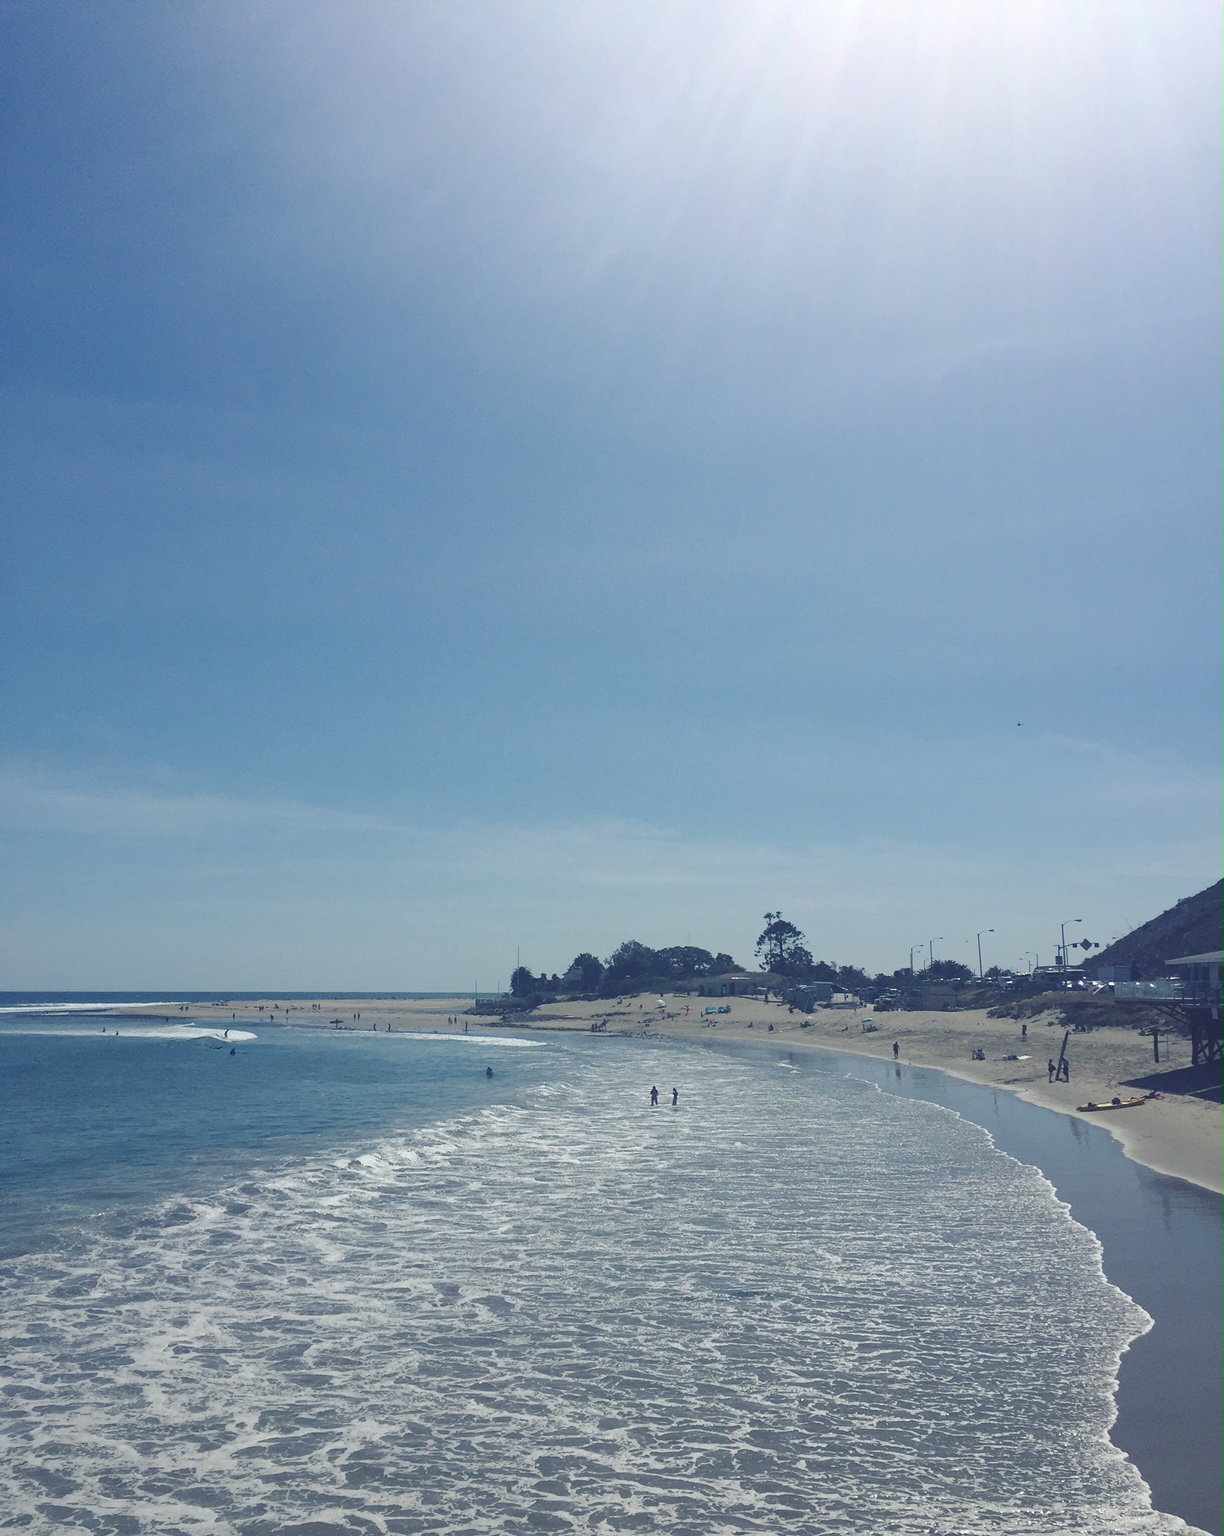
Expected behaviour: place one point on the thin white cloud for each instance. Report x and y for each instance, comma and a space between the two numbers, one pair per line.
132, 883
33, 805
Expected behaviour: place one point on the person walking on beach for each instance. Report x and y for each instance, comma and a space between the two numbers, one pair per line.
654, 1098
675, 1098
896, 1049
1049, 1069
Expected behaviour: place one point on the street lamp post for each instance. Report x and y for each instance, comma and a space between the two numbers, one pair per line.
931, 943
913, 947
1063, 948
979, 938
1036, 959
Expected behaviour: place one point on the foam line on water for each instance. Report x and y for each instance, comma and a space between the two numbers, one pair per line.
130, 1031
515, 1042
87, 1007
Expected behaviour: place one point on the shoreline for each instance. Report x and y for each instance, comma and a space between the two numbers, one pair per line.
1180, 1134
1168, 1388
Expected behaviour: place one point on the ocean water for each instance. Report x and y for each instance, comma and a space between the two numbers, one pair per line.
346, 1282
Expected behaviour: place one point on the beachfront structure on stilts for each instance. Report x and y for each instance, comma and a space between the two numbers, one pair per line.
1199, 1003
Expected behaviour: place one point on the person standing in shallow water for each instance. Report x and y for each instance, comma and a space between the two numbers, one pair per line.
654, 1098
675, 1098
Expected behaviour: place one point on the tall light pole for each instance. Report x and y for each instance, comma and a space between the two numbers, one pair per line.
913, 947
980, 932
1036, 959
938, 939
1063, 932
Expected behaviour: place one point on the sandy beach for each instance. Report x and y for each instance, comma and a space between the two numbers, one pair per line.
1179, 1133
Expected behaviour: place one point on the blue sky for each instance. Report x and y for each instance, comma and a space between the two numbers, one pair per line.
482, 476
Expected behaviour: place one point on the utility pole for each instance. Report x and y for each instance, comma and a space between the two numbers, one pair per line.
979, 938
1062, 954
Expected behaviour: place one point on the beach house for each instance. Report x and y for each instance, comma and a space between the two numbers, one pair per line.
1199, 975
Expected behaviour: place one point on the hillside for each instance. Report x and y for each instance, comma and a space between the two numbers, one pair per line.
1192, 927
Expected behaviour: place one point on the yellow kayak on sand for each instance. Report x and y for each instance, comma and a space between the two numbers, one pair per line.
1113, 1104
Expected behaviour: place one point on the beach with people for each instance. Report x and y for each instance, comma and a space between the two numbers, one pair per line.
1176, 1129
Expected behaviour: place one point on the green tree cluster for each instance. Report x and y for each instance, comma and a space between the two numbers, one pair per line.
631, 966
948, 970
781, 950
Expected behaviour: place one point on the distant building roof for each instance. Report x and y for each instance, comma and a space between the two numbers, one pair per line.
1213, 957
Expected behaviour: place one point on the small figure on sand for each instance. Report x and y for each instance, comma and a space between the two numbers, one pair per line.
675, 1098
1050, 1069
896, 1049
654, 1098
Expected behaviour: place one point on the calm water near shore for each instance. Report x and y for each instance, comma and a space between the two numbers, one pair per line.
347, 1282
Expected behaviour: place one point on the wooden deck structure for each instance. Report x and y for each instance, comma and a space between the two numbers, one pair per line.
1206, 1041
1199, 1004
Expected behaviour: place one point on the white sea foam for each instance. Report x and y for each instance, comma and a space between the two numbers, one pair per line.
137, 1031
87, 1007
514, 1041
795, 1306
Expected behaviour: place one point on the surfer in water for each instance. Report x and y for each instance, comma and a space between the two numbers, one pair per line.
675, 1098
654, 1098
488, 1071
